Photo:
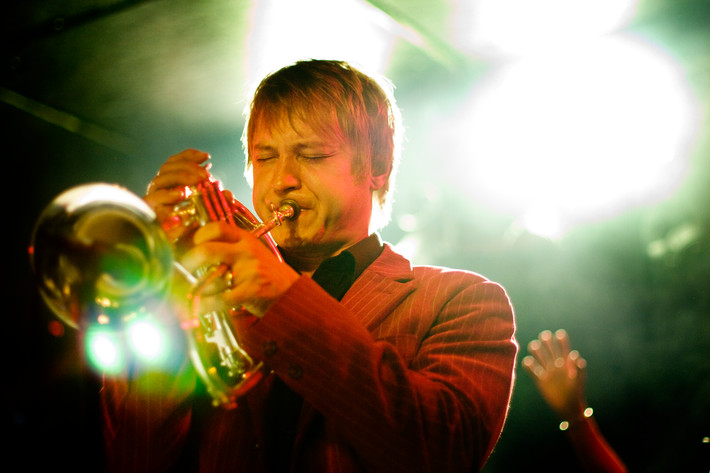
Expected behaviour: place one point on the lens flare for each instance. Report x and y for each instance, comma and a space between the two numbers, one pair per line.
104, 351
147, 340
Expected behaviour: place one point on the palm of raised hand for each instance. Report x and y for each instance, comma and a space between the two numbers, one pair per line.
558, 373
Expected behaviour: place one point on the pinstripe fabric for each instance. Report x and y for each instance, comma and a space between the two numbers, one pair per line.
412, 371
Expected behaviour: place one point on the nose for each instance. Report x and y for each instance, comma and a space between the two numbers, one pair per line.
286, 176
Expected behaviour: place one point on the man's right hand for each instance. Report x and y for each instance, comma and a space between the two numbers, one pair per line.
167, 188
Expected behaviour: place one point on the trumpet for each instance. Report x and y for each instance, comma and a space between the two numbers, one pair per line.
100, 256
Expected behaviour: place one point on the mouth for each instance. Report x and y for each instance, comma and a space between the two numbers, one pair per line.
283, 206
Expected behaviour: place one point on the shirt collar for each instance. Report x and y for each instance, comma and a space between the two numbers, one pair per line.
337, 274
365, 252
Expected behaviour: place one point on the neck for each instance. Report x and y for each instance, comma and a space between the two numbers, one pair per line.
306, 261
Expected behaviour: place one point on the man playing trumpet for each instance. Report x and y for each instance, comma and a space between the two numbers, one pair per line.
374, 365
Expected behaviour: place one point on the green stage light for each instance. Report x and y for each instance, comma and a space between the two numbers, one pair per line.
105, 351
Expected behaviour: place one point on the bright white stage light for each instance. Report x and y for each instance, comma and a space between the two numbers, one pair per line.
579, 135
284, 31
496, 27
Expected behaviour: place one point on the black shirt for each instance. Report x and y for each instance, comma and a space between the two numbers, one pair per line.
338, 273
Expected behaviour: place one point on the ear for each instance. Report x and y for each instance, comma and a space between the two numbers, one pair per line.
378, 181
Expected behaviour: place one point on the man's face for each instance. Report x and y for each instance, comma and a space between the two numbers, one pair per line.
316, 172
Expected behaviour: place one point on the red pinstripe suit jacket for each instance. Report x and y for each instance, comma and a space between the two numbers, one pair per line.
411, 371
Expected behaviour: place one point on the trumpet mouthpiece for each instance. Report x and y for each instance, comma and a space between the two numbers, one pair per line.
290, 209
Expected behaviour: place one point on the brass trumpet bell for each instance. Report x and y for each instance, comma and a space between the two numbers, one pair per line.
100, 256
96, 250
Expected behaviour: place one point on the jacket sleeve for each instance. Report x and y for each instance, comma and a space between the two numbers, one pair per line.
426, 390
146, 417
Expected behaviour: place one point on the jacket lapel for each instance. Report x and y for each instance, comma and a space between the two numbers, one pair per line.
371, 298
380, 288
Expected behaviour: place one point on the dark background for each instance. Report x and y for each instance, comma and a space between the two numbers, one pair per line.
106, 90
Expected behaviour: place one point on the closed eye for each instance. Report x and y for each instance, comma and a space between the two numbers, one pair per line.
315, 156
264, 159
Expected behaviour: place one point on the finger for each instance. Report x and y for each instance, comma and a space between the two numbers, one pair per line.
212, 302
177, 176
558, 352
189, 155
212, 281
187, 165
180, 165
241, 292
207, 254
537, 351
533, 367
580, 367
534, 347
165, 197
548, 351
228, 195
219, 231
579, 362
563, 343
575, 365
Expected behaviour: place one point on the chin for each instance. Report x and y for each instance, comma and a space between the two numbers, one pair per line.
288, 237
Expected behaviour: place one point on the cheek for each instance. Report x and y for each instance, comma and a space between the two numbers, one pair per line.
257, 198
344, 203
257, 179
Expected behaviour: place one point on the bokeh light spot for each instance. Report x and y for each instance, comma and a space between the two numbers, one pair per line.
56, 328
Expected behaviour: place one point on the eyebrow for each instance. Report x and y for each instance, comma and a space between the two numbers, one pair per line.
298, 146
